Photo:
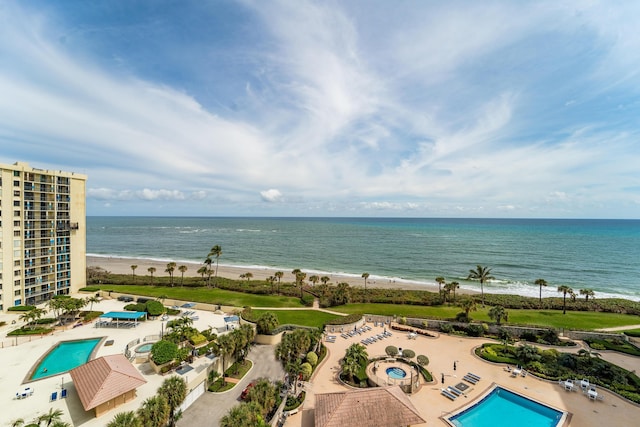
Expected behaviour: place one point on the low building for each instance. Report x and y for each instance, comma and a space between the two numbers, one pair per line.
106, 383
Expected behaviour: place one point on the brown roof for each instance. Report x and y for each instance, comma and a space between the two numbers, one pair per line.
372, 407
104, 378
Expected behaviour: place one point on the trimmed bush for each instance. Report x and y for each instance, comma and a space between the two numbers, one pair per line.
423, 360
312, 358
391, 350
345, 320
154, 308
163, 352
21, 308
408, 353
197, 339
305, 370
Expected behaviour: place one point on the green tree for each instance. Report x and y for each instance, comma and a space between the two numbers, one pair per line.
306, 370
527, 353
226, 347
314, 279
587, 293
244, 415
541, 283
565, 290
391, 350
278, 275
216, 251
468, 305
271, 280
92, 300
325, 279
133, 272
497, 313
482, 274
341, 294
182, 269
300, 276
440, 281
125, 419
174, 391
151, 270
267, 323
50, 417
171, 268
154, 412
264, 394
365, 276
202, 271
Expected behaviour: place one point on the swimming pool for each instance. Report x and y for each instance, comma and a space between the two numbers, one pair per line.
65, 356
501, 408
396, 373
144, 348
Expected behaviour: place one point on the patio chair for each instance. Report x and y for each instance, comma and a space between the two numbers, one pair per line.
54, 396
63, 393
445, 393
471, 380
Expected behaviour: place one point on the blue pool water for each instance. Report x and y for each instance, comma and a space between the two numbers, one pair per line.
64, 357
144, 348
396, 373
502, 408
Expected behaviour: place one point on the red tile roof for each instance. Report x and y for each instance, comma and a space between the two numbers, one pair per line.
105, 378
372, 407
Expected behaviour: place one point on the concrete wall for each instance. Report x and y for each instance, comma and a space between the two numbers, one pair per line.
337, 329
114, 403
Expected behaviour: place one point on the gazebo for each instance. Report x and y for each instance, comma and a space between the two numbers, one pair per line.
125, 319
106, 382
371, 407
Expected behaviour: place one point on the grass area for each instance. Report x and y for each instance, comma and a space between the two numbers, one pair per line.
238, 369
207, 295
219, 386
585, 320
312, 318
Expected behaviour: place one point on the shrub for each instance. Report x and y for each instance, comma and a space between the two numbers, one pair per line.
345, 320
89, 289
136, 307
154, 308
3, 323
391, 350
197, 339
305, 370
21, 308
402, 320
423, 360
163, 352
474, 330
408, 353
446, 328
293, 401
312, 358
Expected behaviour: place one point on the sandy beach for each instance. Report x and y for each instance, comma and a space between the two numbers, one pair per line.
123, 266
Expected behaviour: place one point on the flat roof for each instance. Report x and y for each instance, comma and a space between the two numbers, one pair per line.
127, 315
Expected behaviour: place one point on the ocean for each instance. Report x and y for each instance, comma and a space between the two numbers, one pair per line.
603, 255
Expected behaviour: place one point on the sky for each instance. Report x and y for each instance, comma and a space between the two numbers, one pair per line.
329, 108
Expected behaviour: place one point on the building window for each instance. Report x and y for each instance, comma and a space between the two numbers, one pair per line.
16, 293
17, 272
16, 263
16, 233
16, 283
16, 203
16, 223
16, 173
16, 213
16, 183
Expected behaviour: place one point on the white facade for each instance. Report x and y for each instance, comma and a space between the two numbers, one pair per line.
42, 234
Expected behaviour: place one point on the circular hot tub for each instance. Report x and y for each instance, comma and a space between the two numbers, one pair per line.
396, 373
144, 348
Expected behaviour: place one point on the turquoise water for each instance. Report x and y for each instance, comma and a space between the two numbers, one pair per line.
396, 373
64, 357
598, 254
144, 348
502, 408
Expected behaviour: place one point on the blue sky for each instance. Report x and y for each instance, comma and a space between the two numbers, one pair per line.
332, 108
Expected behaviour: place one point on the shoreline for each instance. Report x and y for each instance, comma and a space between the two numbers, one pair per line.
122, 265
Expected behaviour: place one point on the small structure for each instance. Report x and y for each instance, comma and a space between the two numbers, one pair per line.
106, 382
231, 322
371, 407
121, 319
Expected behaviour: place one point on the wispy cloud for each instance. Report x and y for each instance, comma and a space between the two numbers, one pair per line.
412, 109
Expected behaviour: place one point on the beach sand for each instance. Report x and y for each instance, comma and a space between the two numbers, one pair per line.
119, 265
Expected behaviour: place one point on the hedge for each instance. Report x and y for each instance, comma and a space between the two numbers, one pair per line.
21, 308
345, 320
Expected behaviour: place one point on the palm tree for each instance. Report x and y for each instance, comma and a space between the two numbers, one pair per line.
207, 262
325, 279
271, 280
174, 390
226, 346
50, 417
587, 293
202, 271
154, 412
151, 270
541, 283
267, 323
133, 272
91, 301
216, 251
182, 269
565, 290
300, 276
278, 275
171, 267
440, 281
248, 275
468, 305
125, 419
27, 317
245, 414
482, 274
365, 276
314, 279
497, 313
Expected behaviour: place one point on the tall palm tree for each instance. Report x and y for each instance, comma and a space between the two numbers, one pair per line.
278, 275
207, 262
271, 280
481, 274
171, 267
27, 317
182, 269
92, 300
151, 270
202, 271
314, 279
325, 279
497, 313
50, 417
125, 419
565, 290
154, 412
440, 281
216, 251
133, 272
174, 390
226, 346
365, 276
541, 283
587, 293
468, 305
300, 276
454, 285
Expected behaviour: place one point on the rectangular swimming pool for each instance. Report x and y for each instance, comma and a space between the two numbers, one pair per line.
65, 356
504, 408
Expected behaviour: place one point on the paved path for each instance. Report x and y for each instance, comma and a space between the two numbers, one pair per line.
619, 328
211, 407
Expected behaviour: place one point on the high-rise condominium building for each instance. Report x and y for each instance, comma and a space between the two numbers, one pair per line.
42, 234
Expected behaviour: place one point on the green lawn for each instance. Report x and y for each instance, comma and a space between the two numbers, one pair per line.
300, 317
585, 320
211, 296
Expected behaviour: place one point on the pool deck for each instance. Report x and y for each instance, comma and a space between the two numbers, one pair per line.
442, 352
17, 361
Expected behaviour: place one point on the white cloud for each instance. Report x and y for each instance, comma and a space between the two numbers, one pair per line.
271, 196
